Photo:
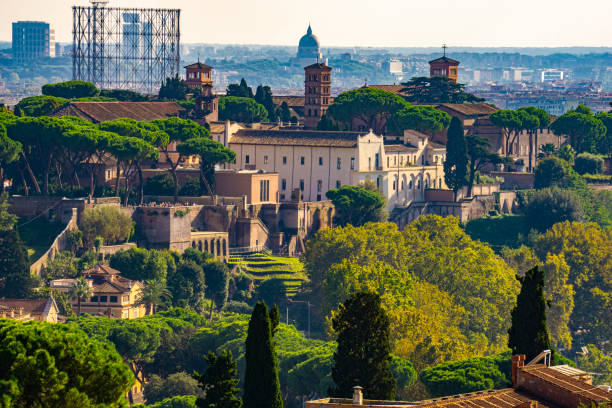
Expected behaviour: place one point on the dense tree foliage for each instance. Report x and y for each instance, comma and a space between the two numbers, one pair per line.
369, 106
529, 333
584, 130
142, 264
241, 109
356, 205
108, 222
123, 95
174, 88
15, 279
211, 153
597, 362
472, 374
158, 389
38, 105
261, 383
549, 206
56, 365
263, 96
421, 118
363, 354
181, 401
219, 382
427, 276
241, 90
70, 89
588, 163
436, 90
587, 250
455, 165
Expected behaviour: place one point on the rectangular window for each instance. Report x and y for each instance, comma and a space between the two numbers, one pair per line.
338, 184
94, 299
125, 298
247, 159
264, 190
301, 185
339, 164
320, 161
283, 184
352, 163
302, 160
284, 159
377, 161
113, 299
319, 185
103, 299
265, 159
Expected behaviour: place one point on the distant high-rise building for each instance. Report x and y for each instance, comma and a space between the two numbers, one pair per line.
32, 40
551, 75
309, 49
444, 67
317, 91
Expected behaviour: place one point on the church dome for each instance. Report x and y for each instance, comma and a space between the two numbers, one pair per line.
309, 40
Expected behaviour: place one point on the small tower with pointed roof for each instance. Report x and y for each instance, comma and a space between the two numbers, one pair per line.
444, 67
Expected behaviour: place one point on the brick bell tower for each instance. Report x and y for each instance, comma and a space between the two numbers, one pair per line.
444, 67
317, 87
199, 76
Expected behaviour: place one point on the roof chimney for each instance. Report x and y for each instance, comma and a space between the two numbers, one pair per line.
518, 361
357, 395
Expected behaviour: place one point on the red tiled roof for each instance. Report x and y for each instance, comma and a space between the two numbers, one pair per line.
446, 60
469, 108
198, 65
32, 306
396, 89
102, 111
319, 65
296, 137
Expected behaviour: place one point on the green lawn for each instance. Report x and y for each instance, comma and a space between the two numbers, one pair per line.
38, 235
262, 266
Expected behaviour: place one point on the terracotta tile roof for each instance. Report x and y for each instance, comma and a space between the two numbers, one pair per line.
102, 111
319, 65
396, 89
31, 306
567, 383
198, 65
393, 148
446, 60
296, 138
217, 127
469, 108
291, 100
505, 398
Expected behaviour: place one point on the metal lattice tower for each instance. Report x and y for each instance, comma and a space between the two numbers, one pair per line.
122, 48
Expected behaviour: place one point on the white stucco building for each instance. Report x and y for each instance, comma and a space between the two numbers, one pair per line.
316, 161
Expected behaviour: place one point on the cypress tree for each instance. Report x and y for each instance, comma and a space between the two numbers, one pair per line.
15, 279
219, 382
455, 165
363, 354
261, 384
528, 334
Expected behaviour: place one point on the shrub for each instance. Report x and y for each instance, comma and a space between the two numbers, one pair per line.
191, 187
588, 163
553, 171
549, 206
110, 223
597, 178
70, 89
160, 184
473, 374
181, 383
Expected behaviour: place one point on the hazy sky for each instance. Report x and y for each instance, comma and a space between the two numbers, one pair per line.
409, 23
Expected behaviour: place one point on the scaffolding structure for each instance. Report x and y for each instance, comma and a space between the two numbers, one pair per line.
125, 48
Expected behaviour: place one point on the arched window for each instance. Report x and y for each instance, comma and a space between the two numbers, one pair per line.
410, 185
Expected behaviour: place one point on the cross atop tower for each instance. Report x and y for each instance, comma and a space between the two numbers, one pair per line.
444, 47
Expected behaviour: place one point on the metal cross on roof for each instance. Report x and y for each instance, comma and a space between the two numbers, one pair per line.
444, 47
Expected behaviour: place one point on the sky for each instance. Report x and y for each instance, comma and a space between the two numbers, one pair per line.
377, 23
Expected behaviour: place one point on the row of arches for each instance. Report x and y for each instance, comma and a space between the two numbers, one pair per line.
215, 246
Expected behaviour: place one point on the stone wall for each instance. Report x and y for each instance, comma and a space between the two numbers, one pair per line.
59, 244
514, 181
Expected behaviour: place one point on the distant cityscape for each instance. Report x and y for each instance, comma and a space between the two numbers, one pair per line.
555, 80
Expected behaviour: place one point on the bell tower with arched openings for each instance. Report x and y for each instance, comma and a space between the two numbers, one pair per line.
444, 67
317, 88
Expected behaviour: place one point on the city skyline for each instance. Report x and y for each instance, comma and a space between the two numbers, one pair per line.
386, 23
